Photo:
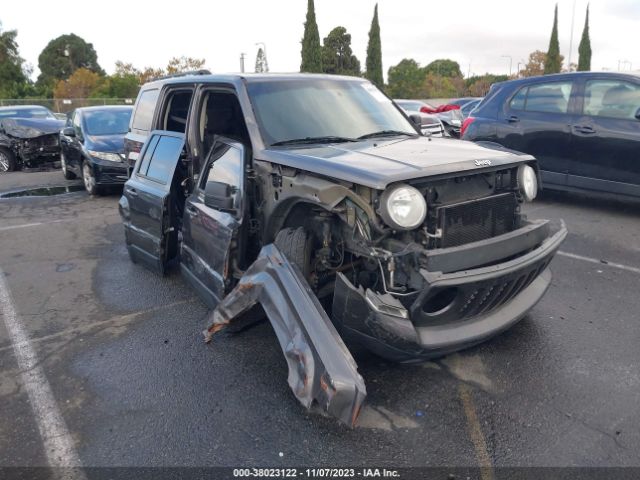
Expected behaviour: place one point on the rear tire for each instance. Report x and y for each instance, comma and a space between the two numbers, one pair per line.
68, 174
297, 245
7, 160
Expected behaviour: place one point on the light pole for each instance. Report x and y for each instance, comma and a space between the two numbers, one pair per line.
264, 50
573, 17
242, 55
510, 62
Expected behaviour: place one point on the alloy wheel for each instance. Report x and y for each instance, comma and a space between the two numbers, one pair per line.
4, 162
89, 179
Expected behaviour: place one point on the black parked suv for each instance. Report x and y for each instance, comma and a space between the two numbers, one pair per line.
315, 197
584, 128
92, 146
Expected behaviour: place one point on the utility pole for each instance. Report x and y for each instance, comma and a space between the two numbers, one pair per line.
242, 55
573, 16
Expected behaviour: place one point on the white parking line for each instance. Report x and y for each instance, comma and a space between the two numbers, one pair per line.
37, 224
600, 262
58, 444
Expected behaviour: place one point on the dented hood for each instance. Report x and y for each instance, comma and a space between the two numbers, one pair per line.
31, 127
380, 162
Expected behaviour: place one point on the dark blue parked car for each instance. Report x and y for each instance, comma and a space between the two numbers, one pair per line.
584, 128
92, 145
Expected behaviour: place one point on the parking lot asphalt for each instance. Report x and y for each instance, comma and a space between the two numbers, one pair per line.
122, 351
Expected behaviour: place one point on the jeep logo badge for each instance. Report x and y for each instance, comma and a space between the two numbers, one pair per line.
483, 163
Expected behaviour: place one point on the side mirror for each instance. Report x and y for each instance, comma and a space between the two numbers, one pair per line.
219, 195
69, 132
638, 114
416, 119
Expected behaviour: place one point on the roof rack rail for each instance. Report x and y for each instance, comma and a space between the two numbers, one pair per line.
203, 71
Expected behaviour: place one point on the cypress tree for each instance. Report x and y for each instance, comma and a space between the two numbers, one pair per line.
311, 52
584, 60
553, 63
374, 52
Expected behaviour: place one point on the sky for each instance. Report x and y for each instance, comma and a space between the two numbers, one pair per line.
481, 35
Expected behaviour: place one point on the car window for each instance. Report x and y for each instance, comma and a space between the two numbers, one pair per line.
107, 122
177, 109
322, 107
163, 159
144, 110
225, 166
611, 98
76, 123
549, 97
144, 164
37, 112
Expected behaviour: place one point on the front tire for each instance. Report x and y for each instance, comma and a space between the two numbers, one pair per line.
68, 174
89, 179
7, 160
297, 245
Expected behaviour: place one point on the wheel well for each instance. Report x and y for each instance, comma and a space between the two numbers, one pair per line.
299, 214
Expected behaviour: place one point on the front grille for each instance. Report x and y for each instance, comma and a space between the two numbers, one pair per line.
477, 298
477, 219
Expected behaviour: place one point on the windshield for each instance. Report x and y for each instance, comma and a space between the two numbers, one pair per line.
38, 112
323, 108
107, 122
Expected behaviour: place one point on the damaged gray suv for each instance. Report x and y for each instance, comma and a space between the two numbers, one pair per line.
315, 198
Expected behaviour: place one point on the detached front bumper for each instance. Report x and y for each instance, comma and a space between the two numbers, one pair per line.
460, 305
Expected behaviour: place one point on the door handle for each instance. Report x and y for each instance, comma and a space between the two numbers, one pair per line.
192, 211
132, 191
513, 119
586, 129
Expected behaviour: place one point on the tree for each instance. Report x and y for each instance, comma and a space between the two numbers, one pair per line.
444, 68
535, 65
311, 50
337, 57
406, 79
261, 62
553, 63
584, 50
13, 79
80, 84
63, 56
374, 52
184, 64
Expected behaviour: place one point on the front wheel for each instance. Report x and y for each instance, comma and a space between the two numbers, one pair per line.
68, 174
297, 245
89, 179
7, 160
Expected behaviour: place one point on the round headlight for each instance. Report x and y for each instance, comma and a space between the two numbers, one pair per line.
527, 182
403, 207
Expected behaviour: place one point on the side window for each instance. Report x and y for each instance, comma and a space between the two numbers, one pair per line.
221, 114
145, 106
552, 97
144, 164
520, 98
177, 110
76, 124
163, 160
611, 98
225, 167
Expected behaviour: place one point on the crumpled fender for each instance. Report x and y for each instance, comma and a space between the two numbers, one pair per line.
321, 368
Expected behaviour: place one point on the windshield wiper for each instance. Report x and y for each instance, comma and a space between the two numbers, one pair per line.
386, 133
309, 140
